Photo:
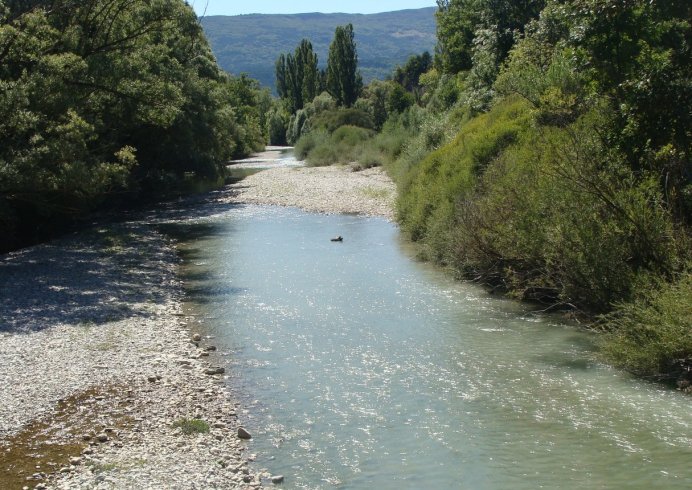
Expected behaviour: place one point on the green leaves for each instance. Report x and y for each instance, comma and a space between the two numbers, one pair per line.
344, 81
88, 85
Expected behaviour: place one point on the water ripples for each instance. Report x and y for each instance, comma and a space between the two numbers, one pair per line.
375, 371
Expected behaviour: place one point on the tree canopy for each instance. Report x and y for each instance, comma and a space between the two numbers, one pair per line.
102, 97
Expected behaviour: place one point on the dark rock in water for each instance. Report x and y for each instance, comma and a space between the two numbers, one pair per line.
338, 239
243, 434
196, 337
214, 370
277, 479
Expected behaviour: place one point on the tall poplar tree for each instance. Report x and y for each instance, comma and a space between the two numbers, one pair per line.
344, 81
297, 76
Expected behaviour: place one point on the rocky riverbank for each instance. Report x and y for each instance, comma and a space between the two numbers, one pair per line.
101, 376
105, 382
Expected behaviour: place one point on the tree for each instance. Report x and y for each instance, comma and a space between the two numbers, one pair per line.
459, 21
297, 76
102, 98
344, 81
408, 76
306, 59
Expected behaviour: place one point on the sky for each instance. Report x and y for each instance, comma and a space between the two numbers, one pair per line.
237, 7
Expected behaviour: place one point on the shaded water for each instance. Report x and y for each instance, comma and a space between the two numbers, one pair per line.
366, 369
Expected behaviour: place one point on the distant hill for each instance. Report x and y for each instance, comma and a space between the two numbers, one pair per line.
251, 43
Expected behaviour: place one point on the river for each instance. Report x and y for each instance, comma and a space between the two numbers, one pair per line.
360, 367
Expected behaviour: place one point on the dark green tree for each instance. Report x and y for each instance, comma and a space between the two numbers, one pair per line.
105, 100
297, 76
408, 76
344, 81
306, 59
458, 23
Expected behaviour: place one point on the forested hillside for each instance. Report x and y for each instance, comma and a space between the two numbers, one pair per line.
251, 43
105, 101
544, 153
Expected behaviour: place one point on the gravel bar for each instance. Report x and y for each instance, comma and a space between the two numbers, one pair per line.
335, 189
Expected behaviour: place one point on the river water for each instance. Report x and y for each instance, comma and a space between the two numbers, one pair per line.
362, 368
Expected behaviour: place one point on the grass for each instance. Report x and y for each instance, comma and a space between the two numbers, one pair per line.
374, 193
124, 465
192, 426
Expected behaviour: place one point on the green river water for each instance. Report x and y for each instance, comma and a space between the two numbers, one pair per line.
362, 368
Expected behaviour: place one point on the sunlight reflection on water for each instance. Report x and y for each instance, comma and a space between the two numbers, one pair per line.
374, 371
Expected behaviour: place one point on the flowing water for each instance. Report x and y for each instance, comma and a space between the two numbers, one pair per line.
362, 368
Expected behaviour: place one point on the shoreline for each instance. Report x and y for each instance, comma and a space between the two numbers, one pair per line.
97, 356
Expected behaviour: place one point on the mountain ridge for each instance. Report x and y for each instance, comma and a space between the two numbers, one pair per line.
251, 43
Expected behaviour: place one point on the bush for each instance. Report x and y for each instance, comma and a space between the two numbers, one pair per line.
449, 173
345, 145
549, 214
192, 426
652, 336
308, 142
334, 119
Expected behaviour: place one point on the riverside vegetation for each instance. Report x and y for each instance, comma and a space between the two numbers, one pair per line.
109, 101
544, 152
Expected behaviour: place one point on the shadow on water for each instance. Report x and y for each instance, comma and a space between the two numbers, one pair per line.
200, 284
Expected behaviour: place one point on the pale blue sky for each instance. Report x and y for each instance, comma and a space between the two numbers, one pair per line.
236, 7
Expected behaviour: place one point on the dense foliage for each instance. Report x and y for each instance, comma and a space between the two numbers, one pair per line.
105, 97
546, 154
344, 81
298, 80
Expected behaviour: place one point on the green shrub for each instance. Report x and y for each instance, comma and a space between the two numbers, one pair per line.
652, 336
350, 135
308, 142
345, 145
192, 426
550, 214
331, 120
449, 174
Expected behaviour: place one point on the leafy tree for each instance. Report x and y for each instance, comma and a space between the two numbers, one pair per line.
638, 54
344, 81
298, 79
458, 23
408, 76
105, 97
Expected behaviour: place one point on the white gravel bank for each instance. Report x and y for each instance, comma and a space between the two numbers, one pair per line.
98, 317
335, 189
